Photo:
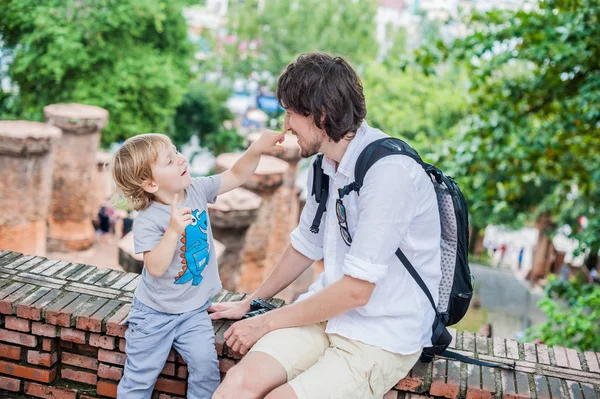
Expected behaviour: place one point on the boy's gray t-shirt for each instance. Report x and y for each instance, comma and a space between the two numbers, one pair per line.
193, 276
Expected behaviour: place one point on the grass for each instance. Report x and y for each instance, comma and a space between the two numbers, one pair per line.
473, 320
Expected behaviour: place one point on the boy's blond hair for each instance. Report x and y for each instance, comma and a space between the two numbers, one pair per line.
131, 167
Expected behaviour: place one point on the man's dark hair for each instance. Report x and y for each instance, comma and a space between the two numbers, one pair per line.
319, 83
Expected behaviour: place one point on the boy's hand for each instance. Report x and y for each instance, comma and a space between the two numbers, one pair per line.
268, 142
180, 217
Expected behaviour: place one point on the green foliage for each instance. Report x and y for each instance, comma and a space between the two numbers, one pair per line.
531, 142
573, 310
130, 57
282, 30
202, 112
409, 105
224, 140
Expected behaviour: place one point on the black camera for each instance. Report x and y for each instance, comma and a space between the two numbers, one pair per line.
258, 307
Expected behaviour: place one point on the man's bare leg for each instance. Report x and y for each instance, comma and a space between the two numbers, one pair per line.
282, 392
254, 376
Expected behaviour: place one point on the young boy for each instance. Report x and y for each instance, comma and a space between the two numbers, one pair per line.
180, 275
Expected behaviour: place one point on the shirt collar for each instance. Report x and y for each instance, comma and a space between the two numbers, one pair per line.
346, 166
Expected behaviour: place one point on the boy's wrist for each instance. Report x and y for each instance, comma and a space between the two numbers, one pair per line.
171, 234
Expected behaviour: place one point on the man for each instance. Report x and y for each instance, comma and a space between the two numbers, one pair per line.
361, 326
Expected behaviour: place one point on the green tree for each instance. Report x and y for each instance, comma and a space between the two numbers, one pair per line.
573, 310
530, 144
127, 56
268, 39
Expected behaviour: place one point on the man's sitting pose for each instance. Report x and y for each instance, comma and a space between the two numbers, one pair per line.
361, 326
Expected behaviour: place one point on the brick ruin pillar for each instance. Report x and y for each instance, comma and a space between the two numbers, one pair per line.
230, 218
286, 209
27, 151
265, 182
69, 224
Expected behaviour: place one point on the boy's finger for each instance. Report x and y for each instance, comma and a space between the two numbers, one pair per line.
214, 316
185, 210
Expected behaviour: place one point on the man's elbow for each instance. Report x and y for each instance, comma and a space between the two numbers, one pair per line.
360, 292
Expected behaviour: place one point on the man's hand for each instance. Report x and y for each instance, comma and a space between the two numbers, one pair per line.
267, 143
242, 335
180, 218
229, 310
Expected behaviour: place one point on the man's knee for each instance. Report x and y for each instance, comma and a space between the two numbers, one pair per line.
238, 384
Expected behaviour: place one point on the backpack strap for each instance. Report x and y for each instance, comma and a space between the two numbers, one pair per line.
320, 190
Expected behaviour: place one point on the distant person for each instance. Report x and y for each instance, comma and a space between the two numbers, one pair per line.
180, 274
521, 253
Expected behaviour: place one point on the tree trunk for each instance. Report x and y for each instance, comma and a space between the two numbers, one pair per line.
592, 259
543, 250
476, 241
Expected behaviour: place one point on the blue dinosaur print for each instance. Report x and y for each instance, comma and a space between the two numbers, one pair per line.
195, 250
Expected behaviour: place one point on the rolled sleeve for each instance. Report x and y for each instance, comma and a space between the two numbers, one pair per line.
304, 245
363, 270
387, 206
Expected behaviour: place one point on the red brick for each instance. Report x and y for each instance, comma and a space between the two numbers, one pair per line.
440, 384
8, 305
43, 329
107, 388
541, 387
543, 355
512, 349
225, 364
169, 369
165, 396
74, 359
48, 392
31, 373
102, 341
522, 384
18, 338
178, 358
573, 358
14, 323
49, 344
79, 376
111, 357
72, 335
68, 345
509, 390
53, 314
122, 344
171, 357
182, 372
112, 325
84, 319
474, 389
10, 384
560, 355
10, 352
41, 358
88, 349
110, 372
94, 322
592, 362
32, 309
170, 386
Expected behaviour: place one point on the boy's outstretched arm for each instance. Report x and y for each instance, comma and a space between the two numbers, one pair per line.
244, 168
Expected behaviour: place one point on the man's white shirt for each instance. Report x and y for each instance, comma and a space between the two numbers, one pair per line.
397, 207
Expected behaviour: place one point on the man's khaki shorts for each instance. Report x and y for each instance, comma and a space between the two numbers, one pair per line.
321, 365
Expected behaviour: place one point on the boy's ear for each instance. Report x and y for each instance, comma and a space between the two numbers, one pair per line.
149, 186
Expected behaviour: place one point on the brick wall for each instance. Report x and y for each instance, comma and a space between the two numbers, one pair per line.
60, 337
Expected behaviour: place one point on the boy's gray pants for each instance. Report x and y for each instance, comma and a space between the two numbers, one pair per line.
150, 336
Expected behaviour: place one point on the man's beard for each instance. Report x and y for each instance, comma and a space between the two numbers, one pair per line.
311, 150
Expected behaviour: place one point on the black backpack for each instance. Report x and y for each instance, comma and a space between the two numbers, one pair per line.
456, 288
